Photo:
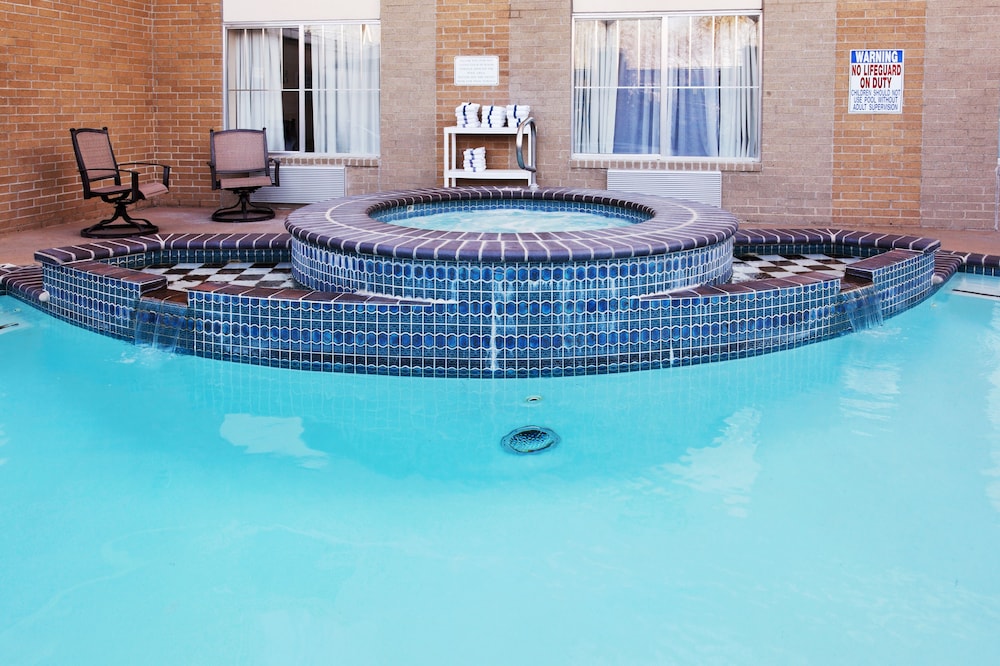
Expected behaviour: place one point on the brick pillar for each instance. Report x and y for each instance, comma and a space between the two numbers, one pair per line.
186, 99
877, 157
407, 99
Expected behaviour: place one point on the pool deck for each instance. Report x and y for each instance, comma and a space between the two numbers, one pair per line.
19, 247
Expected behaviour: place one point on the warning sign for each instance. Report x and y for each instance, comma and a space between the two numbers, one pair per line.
876, 81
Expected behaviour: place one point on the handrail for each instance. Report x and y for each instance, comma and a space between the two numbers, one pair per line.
519, 150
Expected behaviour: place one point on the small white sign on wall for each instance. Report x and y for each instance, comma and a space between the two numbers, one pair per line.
477, 70
876, 81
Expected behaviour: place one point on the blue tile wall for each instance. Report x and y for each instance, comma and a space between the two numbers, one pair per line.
469, 320
95, 301
325, 269
704, 327
901, 278
165, 325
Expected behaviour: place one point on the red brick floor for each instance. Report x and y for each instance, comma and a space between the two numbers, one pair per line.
19, 247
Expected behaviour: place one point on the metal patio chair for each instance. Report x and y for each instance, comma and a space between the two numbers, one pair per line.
241, 164
119, 184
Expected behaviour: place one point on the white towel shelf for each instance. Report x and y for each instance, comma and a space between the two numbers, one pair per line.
453, 171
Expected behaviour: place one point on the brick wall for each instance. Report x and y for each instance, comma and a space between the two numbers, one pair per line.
532, 40
541, 57
473, 28
794, 182
409, 133
961, 100
877, 157
152, 72
79, 64
187, 94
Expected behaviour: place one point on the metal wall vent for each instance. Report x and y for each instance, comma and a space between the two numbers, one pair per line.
701, 186
304, 185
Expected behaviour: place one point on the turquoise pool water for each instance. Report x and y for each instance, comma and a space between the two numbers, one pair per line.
512, 221
833, 504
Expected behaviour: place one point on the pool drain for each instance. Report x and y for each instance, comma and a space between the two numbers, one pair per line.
529, 439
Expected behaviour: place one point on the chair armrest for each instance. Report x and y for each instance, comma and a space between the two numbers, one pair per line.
214, 176
125, 180
164, 175
135, 180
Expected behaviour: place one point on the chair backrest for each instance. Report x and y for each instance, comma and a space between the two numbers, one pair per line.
239, 151
94, 157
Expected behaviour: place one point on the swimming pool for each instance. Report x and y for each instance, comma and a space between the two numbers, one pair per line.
834, 503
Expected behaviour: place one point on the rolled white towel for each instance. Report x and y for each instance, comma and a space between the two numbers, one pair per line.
467, 115
517, 114
474, 159
494, 116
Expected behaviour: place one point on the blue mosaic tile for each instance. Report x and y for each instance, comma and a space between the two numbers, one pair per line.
558, 310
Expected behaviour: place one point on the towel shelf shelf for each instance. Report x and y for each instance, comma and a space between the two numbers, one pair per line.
489, 174
453, 171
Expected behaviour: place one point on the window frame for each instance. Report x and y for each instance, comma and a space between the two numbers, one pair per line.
659, 155
304, 78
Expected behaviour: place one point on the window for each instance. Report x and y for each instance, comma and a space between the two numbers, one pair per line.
314, 87
673, 85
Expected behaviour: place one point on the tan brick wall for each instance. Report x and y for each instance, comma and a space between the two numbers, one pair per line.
67, 65
877, 157
532, 40
961, 99
794, 181
409, 133
541, 57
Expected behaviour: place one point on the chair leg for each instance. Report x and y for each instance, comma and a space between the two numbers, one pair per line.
129, 226
243, 210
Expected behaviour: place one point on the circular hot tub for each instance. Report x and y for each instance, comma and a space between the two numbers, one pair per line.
350, 245
541, 300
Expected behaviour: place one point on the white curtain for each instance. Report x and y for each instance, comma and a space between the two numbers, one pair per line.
637, 113
737, 54
345, 71
254, 81
711, 86
704, 91
690, 99
595, 89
